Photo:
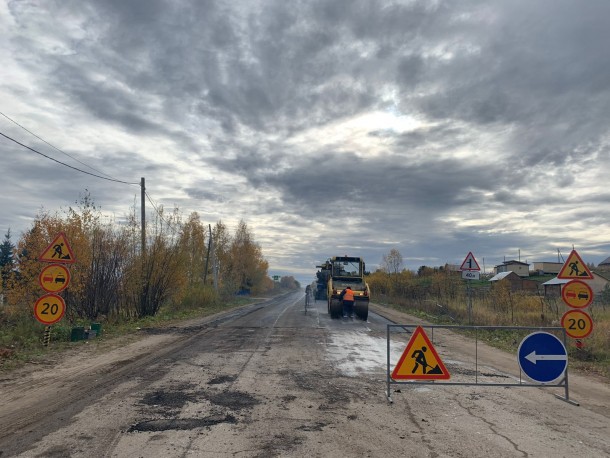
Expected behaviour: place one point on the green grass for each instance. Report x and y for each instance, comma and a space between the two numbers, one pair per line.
21, 336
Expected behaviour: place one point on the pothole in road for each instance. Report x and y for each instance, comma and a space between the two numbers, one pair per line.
181, 424
170, 399
222, 379
319, 426
235, 400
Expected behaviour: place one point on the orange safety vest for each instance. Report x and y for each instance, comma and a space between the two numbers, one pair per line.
349, 295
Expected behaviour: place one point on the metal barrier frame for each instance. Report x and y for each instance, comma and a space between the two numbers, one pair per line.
563, 382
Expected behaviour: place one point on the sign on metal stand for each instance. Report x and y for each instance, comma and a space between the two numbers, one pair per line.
470, 271
51, 308
541, 357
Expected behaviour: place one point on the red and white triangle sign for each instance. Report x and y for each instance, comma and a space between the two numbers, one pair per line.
470, 263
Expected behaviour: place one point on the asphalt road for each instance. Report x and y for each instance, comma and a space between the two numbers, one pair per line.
271, 380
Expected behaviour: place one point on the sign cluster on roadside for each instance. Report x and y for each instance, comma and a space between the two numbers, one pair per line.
577, 295
54, 278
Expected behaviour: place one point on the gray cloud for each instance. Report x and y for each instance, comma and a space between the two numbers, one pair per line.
260, 110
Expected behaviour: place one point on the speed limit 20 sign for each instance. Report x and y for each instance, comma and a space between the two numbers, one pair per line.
49, 309
578, 324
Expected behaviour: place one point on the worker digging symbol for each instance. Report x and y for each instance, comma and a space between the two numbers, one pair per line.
420, 360
574, 268
59, 252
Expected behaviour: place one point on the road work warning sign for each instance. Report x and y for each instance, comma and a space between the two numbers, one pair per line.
575, 268
58, 251
420, 361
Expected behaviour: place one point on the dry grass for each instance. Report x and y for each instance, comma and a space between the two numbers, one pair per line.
500, 308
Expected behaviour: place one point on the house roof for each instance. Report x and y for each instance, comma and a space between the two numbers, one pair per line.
605, 262
506, 263
562, 281
500, 276
556, 281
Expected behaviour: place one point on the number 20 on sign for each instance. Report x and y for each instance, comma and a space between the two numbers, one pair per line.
578, 324
49, 309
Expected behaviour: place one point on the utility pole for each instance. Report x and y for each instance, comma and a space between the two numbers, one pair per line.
143, 216
143, 222
207, 259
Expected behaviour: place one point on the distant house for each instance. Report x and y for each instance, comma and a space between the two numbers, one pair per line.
544, 267
520, 268
604, 266
516, 282
553, 287
453, 269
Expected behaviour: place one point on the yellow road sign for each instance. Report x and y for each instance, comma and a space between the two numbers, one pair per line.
59, 250
49, 309
54, 278
577, 294
578, 324
420, 361
575, 268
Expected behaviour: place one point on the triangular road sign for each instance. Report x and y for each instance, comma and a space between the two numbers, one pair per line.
470, 263
58, 251
575, 268
420, 361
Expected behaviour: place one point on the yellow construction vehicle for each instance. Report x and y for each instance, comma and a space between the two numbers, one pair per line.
347, 271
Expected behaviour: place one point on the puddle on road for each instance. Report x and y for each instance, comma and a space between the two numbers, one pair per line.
354, 353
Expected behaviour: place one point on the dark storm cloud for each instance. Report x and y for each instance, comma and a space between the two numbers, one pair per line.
512, 97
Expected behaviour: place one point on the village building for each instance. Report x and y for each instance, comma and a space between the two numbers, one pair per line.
553, 287
516, 282
545, 268
522, 269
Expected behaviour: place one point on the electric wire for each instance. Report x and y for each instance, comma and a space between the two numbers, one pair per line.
64, 164
171, 226
53, 146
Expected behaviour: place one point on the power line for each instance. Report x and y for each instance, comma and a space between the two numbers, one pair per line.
52, 146
174, 230
64, 164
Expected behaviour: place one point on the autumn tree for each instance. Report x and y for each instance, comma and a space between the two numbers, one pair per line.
193, 249
248, 267
221, 241
392, 262
7, 249
160, 268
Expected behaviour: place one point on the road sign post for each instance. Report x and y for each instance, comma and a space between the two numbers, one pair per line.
470, 271
577, 323
577, 294
54, 278
49, 309
542, 357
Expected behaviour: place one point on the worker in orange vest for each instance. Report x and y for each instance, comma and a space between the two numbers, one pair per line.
348, 302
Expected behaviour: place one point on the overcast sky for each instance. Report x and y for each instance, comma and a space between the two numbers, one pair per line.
331, 127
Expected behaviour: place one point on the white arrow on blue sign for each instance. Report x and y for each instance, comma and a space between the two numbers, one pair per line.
542, 357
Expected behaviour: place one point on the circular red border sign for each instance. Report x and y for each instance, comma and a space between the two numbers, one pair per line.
49, 309
577, 294
54, 278
578, 324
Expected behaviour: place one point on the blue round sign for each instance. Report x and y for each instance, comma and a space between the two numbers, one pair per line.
542, 357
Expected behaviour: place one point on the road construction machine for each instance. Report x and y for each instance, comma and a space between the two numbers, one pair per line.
322, 277
347, 271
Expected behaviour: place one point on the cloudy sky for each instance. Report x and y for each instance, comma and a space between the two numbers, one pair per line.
330, 126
